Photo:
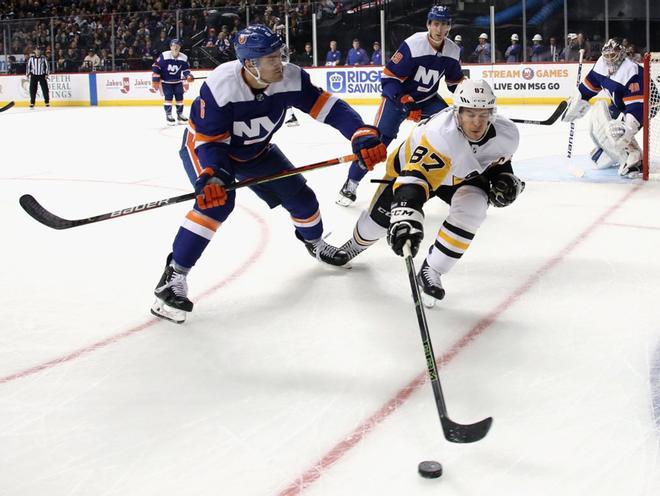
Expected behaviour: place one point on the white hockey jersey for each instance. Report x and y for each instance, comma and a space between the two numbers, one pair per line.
438, 153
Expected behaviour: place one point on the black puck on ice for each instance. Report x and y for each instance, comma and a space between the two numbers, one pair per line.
430, 469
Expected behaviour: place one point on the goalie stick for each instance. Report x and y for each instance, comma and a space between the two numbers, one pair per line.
40, 214
550, 120
571, 132
454, 432
7, 107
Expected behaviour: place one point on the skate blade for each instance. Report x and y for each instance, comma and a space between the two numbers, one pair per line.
428, 301
343, 201
171, 123
164, 311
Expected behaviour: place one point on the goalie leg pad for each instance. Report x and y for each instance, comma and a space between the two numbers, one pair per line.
599, 131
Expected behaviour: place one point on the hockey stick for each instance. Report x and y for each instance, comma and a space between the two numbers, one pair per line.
40, 214
455, 433
571, 133
550, 120
7, 107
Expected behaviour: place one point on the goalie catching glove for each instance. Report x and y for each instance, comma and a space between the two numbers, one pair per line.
504, 189
209, 190
623, 131
577, 108
368, 147
406, 224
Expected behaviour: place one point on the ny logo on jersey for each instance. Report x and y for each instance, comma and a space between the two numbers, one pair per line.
172, 68
427, 77
253, 129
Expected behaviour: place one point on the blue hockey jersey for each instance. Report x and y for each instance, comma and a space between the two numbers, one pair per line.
230, 120
625, 87
170, 70
416, 68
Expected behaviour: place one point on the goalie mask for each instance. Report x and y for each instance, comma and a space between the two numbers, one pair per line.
614, 53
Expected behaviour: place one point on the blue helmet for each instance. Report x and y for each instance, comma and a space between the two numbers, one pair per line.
439, 13
256, 41
175, 41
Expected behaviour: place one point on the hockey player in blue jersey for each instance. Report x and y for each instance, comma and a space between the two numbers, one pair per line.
170, 70
613, 130
410, 83
240, 106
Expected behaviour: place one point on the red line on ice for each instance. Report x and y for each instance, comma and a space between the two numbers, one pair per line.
312, 474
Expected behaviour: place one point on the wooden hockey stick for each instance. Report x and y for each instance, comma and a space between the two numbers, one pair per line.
455, 433
550, 120
8, 106
571, 132
40, 214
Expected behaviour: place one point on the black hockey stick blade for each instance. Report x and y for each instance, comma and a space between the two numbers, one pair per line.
471, 433
40, 214
550, 120
8, 106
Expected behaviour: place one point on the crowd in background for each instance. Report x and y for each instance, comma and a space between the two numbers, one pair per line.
82, 34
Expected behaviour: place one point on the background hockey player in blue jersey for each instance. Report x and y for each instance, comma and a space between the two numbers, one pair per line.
239, 108
613, 130
410, 83
170, 70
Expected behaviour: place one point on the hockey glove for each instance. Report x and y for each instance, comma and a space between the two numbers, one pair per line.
209, 190
190, 78
368, 147
406, 224
577, 108
411, 108
622, 132
504, 189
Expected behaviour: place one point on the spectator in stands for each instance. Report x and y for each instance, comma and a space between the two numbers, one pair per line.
306, 58
537, 51
570, 51
106, 60
583, 44
376, 57
211, 40
71, 60
333, 57
512, 54
481, 53
357, 55
553, 53
634, 55
163, 44
91, 62
224, 46
12, 65
458, 39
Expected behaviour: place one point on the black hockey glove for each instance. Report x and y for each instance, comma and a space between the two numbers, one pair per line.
504, 189
406, 224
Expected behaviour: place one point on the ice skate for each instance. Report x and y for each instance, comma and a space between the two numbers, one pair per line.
172, 301
430, 284
347, 193
325, 252
181, 119
170, 120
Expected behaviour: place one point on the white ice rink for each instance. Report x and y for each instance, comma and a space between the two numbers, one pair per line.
291, 378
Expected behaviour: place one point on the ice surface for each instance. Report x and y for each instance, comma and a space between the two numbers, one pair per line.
294, 378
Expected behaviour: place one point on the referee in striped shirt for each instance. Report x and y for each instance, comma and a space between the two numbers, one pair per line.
37, 71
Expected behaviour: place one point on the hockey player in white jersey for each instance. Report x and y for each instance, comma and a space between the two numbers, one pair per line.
463, 156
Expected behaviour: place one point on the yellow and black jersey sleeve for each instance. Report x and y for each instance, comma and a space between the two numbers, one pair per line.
425, 166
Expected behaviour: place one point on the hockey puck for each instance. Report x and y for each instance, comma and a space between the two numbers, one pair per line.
430, 469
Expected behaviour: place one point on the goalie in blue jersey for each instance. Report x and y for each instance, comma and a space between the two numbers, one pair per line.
232, 121
410, 83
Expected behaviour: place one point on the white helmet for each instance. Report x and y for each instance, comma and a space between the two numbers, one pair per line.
484, 36
613, 54
458, 37
474, 93
537, 37
514, 37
